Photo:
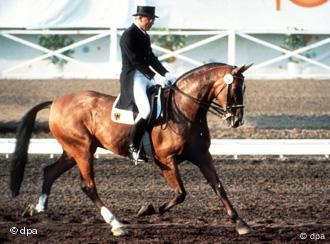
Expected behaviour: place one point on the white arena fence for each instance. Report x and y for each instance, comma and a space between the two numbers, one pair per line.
113, 65
223, 147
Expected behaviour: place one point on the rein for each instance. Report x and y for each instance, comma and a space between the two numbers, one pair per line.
217, 109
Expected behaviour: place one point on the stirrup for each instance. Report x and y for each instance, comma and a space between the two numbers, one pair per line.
134, 155
142, 158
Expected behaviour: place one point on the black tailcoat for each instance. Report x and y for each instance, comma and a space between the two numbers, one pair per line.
136, 54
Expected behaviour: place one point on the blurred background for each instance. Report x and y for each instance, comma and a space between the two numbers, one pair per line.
79, 38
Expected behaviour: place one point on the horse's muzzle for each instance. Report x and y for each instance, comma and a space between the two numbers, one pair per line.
235, 121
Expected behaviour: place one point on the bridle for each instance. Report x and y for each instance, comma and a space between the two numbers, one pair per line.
230, 103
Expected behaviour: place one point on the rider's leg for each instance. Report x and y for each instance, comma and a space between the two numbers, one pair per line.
141, 100
141, 83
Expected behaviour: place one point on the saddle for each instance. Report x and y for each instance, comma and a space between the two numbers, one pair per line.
127, 116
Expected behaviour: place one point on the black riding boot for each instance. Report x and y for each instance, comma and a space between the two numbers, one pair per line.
137, 132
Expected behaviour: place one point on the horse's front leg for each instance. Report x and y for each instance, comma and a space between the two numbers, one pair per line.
205, 164
172, 176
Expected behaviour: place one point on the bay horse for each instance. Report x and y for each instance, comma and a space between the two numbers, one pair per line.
81, 122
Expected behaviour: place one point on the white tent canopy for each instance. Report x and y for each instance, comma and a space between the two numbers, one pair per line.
39, 14
259, 15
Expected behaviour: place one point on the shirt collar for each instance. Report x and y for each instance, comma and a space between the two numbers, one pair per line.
140, 28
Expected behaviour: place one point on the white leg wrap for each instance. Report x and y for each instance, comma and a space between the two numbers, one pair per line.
110, 218
40, 207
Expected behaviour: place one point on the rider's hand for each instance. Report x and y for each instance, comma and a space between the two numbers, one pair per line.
169, 79
153, 82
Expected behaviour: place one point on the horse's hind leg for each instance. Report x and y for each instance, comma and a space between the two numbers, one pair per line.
85, 164
172, 176
205, 164
51, 173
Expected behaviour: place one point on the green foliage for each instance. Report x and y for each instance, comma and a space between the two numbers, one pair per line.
293, 42
54, 42
169, 41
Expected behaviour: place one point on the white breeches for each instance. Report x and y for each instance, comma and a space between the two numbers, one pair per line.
141, 84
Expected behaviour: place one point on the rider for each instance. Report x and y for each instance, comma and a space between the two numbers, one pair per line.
136, 75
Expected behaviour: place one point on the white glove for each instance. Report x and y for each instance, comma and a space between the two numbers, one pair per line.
152, 82
169, 79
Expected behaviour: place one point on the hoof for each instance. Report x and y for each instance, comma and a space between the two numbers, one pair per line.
147, 209
243, 228
119, 232
29, 211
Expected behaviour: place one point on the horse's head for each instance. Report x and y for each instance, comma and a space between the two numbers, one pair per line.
229, 92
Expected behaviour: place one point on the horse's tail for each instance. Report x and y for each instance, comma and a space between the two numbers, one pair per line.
23, 135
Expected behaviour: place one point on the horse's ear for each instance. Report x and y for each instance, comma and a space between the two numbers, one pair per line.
240, 70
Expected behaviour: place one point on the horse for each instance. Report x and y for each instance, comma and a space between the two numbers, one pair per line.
81, 122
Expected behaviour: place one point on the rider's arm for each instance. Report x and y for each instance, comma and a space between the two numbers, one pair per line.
156, 64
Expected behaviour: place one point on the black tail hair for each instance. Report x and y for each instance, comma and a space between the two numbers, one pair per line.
20, 155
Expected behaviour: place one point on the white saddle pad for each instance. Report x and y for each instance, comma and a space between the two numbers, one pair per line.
126, 116
120, 115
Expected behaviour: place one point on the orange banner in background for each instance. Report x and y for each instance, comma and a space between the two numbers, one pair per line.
303, 3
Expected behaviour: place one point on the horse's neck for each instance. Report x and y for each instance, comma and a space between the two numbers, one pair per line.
197, 89
198, 83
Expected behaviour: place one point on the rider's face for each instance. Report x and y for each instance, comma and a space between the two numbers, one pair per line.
146, 22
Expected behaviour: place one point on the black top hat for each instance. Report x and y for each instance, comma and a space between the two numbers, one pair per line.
148, 11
